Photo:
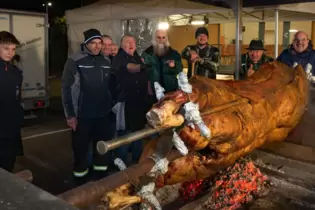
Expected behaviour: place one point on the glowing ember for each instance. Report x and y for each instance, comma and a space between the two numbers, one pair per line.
233, 187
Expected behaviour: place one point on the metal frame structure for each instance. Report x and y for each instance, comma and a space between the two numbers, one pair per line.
237, 6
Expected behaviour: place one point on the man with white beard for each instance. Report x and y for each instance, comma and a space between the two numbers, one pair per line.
165, 64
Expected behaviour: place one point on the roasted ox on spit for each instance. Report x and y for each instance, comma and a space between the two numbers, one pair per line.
218, 122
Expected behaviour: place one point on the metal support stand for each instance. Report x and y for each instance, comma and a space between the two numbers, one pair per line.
276, 33
236, 6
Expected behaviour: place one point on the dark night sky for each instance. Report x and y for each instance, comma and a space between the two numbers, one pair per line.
58, 8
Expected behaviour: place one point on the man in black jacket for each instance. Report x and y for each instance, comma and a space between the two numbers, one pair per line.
87, 103
11, 112
132, 96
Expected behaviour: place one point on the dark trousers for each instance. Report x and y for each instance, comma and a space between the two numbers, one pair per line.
7, 158
135, 148
90, 130
10, 146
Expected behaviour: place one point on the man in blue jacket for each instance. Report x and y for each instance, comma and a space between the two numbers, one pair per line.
300, 52
87, 104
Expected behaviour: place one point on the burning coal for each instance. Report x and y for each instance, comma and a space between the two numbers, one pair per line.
231, 188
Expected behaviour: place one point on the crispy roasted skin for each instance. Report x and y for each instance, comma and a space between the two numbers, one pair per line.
277, 96
275, 100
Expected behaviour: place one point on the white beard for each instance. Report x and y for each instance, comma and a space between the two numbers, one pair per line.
160, 48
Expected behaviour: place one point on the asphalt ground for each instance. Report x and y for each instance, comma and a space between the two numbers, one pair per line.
49, 157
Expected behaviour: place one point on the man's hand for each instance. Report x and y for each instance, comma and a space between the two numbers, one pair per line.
133, 68
171, 63
193, 56
72, 123
250, 71
150, 92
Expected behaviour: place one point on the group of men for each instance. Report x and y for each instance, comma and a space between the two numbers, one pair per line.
99, 82
300, 52
103, 85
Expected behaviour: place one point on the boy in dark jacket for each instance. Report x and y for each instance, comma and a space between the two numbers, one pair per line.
11, 111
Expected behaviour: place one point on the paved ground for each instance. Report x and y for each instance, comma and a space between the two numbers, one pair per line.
49, 157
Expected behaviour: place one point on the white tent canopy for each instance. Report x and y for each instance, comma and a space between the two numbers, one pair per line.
106, 16
136, 9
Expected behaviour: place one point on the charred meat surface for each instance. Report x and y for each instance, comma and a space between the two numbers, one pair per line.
276, 98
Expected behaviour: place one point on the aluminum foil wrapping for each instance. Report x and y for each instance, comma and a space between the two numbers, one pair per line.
309, 74
120, 164
159, 91
179, 144
160, 167
183, 82
146, 193
142, 30
192, 114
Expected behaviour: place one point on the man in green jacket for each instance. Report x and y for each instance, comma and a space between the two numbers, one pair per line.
165, 63
253, 59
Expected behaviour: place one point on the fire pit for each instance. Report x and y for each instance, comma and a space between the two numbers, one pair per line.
259, 181
231, 188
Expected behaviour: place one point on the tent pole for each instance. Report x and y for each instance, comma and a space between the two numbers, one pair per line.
236, 6
276, 33
239, 36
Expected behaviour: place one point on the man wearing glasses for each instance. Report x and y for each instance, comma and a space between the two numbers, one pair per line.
300, 52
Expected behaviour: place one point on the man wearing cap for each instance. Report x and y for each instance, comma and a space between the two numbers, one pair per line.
253, 59
87, 104
205, 57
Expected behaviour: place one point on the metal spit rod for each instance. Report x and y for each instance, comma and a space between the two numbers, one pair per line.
105, 146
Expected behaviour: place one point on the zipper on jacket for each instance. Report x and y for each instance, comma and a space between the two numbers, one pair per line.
102, 74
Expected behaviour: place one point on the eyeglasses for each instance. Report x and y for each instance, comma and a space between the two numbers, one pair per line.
300, 40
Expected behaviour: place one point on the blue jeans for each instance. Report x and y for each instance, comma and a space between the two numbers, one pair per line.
135, 148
